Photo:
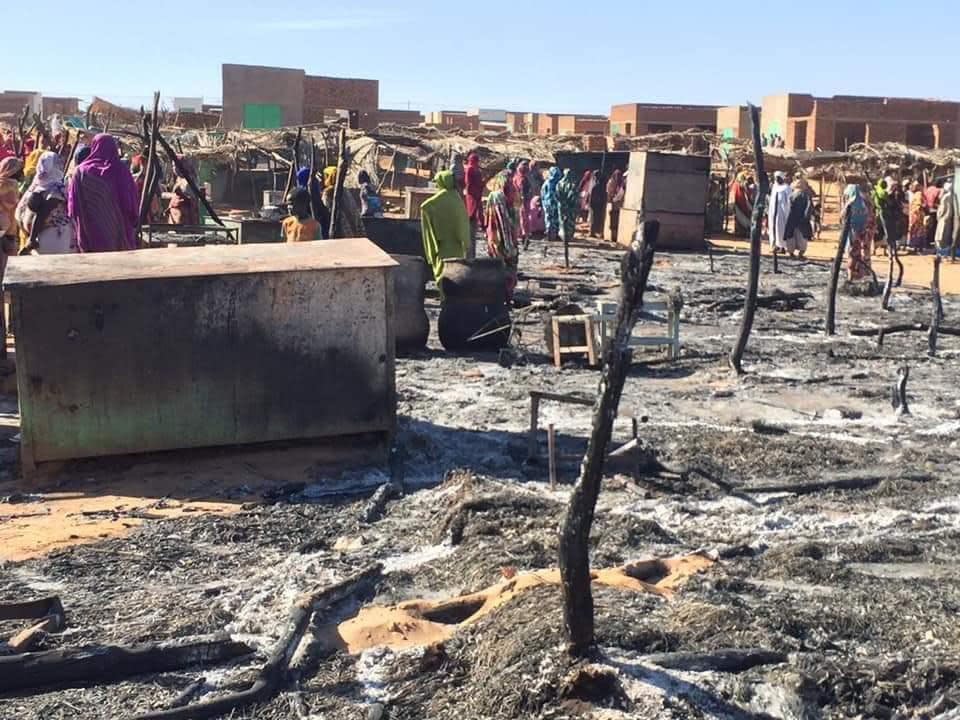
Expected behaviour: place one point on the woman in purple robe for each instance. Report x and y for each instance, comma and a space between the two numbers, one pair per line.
102, 200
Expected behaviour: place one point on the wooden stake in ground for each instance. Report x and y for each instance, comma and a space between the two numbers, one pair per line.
835, 276
937, 308
342, 165
753, 281
292, 174
149, 170
575, 533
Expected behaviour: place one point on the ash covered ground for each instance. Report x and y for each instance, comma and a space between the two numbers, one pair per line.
856, 587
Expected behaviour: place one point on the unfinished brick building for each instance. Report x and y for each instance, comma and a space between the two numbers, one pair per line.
453, 119
733, 122
806, 122
12, 102
651, 118
265, 97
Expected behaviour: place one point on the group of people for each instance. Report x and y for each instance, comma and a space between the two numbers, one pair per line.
311, 203
790, 217
93, 207
917, 217
517, 204
773, 140
883, 216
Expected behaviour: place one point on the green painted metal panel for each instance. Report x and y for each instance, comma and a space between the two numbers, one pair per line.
272, 117
262, 117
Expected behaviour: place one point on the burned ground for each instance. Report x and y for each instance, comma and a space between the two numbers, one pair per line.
856, 586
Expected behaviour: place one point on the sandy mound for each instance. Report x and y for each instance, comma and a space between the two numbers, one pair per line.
424, 622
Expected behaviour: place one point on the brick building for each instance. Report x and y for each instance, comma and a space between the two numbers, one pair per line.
62, 106
733, 122
453, 119
265, 97
522, 123
13, 101
808, 123
650, 118
546, 124
582, 125
370, 119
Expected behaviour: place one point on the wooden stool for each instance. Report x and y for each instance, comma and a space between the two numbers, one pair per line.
560, 350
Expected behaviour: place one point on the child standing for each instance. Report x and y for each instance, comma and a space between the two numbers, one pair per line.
300, 226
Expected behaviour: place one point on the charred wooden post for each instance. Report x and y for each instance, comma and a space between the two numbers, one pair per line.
575, 532
314, 211
753, 281
342, 165
835, 276
292, 174
146, 195
899, 394
937, 313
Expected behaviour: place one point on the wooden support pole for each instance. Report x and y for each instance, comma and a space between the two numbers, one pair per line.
292, 174
533, 448
342, 165
146, 194
314, 211
552, 455
753, 280
575, 532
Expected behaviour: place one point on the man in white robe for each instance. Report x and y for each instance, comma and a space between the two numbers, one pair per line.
778, 210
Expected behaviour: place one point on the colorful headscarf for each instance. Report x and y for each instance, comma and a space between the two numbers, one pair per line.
857, 207
329, 177
303, 177
49, 175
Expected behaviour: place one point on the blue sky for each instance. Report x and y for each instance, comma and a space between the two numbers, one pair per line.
561, 56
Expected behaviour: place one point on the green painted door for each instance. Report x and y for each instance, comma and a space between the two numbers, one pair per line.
262, 117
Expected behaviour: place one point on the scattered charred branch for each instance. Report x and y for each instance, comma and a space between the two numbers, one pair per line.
274, 672
849, 481
575, 532
881, 332
778, 300
725, 660
89, 666
378, 503
753, 279
48, 610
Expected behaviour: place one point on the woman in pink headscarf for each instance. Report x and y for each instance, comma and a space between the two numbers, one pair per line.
102, 200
